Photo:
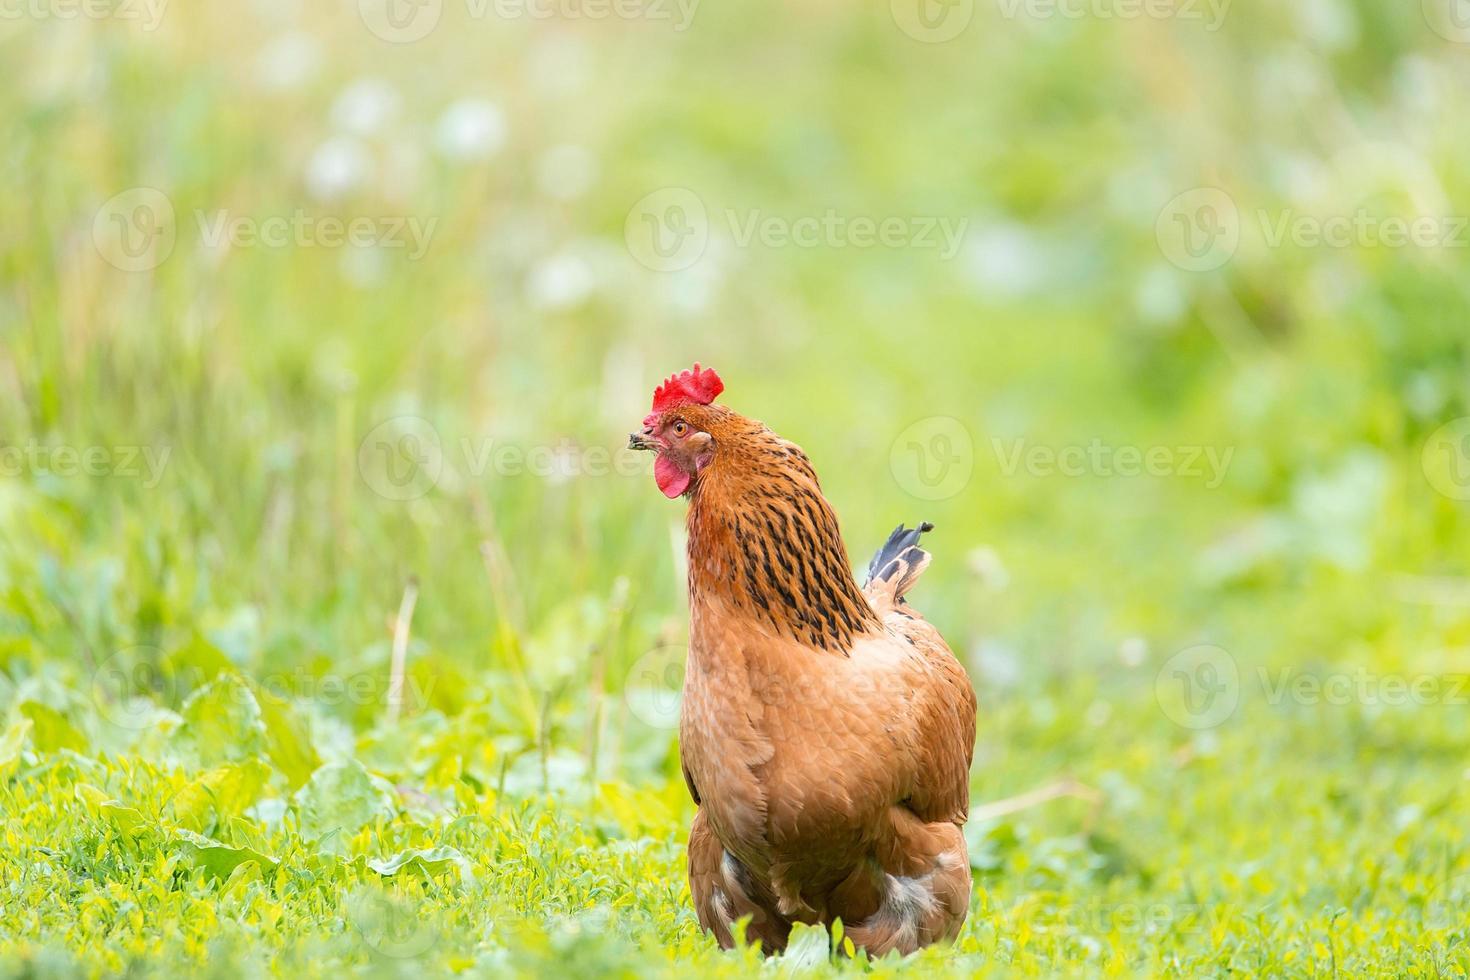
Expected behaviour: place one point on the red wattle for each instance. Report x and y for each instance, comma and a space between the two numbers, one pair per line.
672, 478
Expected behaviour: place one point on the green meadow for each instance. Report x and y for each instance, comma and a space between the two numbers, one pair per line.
341, 635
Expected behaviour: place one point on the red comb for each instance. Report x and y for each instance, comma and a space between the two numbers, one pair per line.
697, 387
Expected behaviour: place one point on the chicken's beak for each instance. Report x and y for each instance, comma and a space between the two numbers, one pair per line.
639, 440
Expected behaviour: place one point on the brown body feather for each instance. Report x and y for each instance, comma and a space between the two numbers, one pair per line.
827, 729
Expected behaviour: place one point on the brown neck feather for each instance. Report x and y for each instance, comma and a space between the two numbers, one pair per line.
764, 542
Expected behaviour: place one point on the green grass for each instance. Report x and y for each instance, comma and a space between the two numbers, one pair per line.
200, 768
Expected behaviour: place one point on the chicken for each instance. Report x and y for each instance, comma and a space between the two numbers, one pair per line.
827, 730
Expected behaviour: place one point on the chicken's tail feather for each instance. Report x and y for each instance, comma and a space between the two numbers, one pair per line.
725, 892
920, 908
897, 565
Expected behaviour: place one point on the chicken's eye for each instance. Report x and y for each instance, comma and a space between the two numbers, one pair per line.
680, 429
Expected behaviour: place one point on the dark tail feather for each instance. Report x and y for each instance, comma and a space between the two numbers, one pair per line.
898, 563
884, 564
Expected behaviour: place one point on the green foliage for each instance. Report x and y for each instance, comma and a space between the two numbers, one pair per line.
342, 798
221, 722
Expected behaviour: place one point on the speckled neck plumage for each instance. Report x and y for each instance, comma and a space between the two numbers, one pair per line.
763, 540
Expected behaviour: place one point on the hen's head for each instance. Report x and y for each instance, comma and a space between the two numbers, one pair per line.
682, 428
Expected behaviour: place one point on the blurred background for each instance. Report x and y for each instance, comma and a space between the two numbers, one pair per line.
324, 327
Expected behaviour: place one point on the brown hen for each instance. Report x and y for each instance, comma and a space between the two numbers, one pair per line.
827, 729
